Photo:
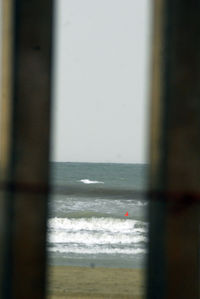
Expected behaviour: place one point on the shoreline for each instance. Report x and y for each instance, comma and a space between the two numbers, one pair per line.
84, 282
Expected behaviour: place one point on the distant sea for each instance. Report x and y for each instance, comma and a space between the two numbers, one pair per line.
87, 225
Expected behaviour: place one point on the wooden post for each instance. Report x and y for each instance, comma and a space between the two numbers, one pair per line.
175, 147
5, 138
25, 145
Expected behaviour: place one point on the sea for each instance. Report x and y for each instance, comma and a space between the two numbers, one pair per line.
97, 215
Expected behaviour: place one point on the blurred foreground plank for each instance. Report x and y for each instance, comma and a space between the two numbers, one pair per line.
24, 155
173, 267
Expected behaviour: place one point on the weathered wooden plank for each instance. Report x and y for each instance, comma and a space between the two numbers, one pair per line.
175, 186
26, 153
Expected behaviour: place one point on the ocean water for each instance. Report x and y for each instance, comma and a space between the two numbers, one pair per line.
87, 225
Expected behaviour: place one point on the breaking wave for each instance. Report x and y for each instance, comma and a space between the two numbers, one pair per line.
87, 181
113, 225
97, 250
97, 235
95, 238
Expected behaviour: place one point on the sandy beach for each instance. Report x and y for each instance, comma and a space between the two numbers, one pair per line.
83, 282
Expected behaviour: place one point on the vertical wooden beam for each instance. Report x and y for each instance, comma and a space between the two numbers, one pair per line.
175, 185
27, 156
6, 95
156, 269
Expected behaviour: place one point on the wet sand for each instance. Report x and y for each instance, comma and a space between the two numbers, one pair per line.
83, 282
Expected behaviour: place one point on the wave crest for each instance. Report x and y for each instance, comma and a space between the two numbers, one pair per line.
95, 238
97, 250
112, 225
87, 181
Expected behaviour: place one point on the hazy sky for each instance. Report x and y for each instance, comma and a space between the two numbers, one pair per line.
102, 53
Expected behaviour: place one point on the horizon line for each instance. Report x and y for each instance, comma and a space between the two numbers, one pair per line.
95, 162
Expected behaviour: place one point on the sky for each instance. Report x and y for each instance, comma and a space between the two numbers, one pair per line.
101, 81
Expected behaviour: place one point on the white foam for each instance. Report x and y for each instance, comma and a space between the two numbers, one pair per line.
89, 238
87, 181
97, 250
97, 224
